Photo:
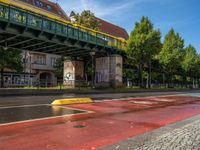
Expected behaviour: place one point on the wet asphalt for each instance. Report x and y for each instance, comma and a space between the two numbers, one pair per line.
22, 113
22, 108
35, 100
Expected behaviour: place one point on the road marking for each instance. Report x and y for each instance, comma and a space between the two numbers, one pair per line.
46, 118
155, 97
8, 107
143, 102
162, 99
65, 107
139, 97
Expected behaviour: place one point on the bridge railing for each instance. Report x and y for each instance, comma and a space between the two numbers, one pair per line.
40, 22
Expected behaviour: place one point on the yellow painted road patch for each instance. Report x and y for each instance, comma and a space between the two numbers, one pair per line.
70, 101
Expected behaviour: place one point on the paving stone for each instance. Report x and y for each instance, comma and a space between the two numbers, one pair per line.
185, 137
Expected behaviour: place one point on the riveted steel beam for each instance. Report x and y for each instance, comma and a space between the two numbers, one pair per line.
8, 39
35, 44
49, 46
22, 42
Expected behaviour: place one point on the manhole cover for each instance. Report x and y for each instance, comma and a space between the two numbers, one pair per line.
79, 126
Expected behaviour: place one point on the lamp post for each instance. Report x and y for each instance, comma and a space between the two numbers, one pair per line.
92, 55
2, 69
30, 67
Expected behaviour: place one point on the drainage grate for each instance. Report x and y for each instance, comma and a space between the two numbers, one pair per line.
79, 126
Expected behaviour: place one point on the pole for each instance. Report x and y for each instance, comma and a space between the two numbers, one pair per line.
30, 70
92, 55
2, 72
2, 69
92, 71
25, 61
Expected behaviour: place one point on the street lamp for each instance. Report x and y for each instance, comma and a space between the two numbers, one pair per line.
2, 75
92, 55
30, 67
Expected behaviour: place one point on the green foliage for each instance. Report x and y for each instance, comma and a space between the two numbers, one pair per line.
129, 73
11, 59
171, 54
86, 19
59, 66
190, 61
143, 44
143, 41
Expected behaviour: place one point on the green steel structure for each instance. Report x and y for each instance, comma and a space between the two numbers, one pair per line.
25, 30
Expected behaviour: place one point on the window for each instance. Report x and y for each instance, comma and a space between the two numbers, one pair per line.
53, 61
40, 60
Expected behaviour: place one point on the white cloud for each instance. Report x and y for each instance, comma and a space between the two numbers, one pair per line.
100, 8
115, 11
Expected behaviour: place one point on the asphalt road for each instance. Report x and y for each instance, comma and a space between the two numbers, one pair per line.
100, 124
30, 100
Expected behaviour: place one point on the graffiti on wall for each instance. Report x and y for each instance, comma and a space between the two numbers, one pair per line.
102, 76
68, 73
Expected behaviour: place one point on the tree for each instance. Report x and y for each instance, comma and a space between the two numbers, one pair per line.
86, 19
190, 61
197, 72
10, 59
143, 44
59, 67
190, 58
171, 54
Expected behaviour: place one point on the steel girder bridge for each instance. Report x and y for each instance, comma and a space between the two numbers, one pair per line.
28, 30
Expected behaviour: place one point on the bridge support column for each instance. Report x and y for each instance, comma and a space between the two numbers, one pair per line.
73, 73
109, 71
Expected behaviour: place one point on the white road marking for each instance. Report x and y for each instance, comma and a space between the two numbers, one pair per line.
143, 102
132, 98
8, 107
46, 118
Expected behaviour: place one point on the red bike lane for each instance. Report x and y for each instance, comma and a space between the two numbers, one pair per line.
109, 123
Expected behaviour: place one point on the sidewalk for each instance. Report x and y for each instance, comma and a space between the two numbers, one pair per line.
183, 135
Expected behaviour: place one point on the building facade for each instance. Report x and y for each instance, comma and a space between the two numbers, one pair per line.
39, 67
38, 70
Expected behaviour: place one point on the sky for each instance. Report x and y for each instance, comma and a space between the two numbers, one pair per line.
182, 15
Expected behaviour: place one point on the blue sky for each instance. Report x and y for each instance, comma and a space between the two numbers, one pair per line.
182, 15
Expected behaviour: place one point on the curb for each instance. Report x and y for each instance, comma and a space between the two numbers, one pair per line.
70, 101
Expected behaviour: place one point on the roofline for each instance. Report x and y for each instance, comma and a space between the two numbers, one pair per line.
112, 24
